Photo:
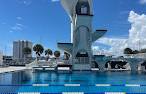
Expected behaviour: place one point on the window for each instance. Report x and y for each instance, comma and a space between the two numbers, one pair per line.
82, 57
82, 60
83, 10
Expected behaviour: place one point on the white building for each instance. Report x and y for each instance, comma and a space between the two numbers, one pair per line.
18, 47
1, 58
82, 34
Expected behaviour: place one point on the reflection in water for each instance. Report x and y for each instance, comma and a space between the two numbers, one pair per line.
60, 77
27, 77
69, 77
17, 78
13, 79
81, 77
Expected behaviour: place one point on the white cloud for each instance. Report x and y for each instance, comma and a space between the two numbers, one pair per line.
112, 41
95, 49
18, 24
19, 18
55, 0
17, 27
142, 1
25, 2
138, 27
137, 36
116, 45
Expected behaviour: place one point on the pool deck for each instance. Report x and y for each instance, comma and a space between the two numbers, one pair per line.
11, 69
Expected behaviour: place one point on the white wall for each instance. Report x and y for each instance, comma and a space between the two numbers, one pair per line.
1, 58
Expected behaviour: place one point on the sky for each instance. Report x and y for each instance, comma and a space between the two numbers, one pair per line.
32, 19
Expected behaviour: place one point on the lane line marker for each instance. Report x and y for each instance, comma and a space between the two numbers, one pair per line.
72, 85
102, 84
115, 93
40, 85
29, 93
128, 85
132, 84
73, 93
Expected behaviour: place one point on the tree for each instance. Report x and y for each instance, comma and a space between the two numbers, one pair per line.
48, 52
38, 48
142, 51
57, 53
135, 52
128, 51
26, 52
67, 55
7, 57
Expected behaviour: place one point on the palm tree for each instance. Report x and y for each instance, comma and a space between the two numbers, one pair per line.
48, 52
26, 52
57, 54
67, 55
128, 51
38, 48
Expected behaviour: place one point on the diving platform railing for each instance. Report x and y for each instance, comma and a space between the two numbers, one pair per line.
47, 64
36, 63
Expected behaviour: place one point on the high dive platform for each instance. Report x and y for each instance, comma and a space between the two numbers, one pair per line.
82, 35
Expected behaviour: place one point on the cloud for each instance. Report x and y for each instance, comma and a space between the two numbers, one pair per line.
95, 49
17, 27
138, 28
115, 45
19, 18
25, 2
55, 0
142, 1
136, 39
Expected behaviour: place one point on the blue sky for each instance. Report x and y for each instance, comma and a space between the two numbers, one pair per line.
31, 19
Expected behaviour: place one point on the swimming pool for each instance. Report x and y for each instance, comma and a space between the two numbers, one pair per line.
75, 81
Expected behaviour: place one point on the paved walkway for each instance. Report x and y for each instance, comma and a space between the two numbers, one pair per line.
11, 69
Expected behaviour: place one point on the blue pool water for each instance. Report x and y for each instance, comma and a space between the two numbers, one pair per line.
87, 80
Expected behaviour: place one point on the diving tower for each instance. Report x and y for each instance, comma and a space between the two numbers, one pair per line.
82, 35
